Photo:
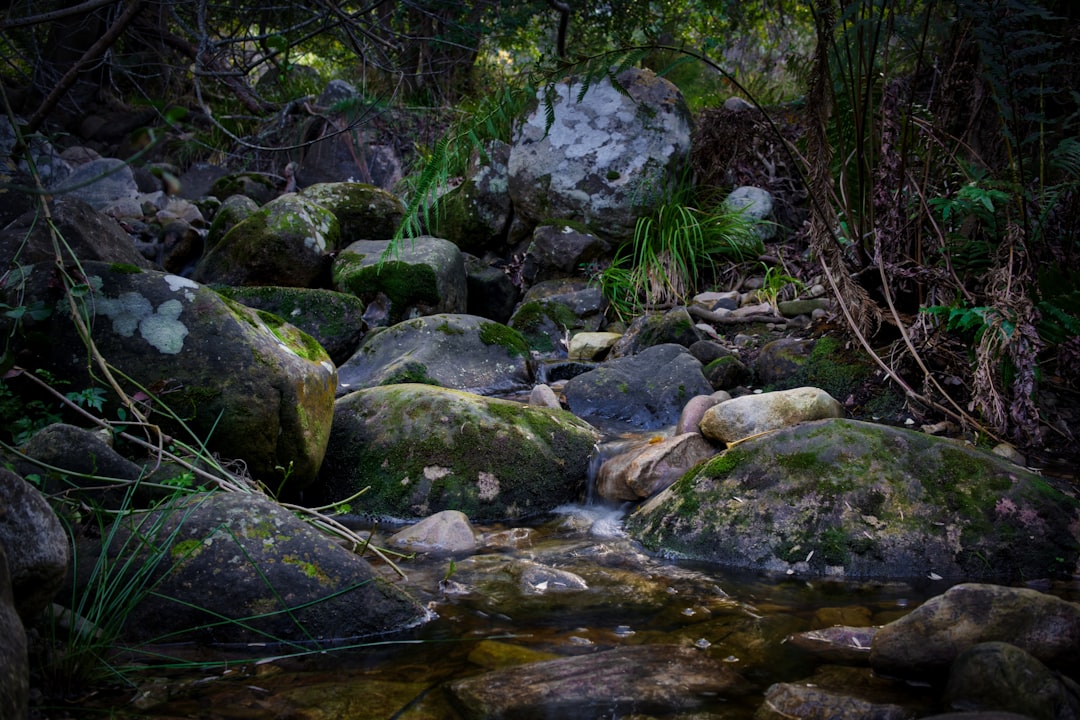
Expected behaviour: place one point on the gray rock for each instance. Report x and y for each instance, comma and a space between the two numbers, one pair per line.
1002, 677
607, 159
462, 352
89, 234
543, 396
491, 292
560, 251
749, 415
836, 644
651, 467
260, 187
846, 498
931, 637
654, 679
289, 241
644, 391
784, 701
99, 183
242, 557
421, 276
780, 360
14, 663
694, 410
755, 204
253, 387
233, 211
37, 548
448, 531
423, 449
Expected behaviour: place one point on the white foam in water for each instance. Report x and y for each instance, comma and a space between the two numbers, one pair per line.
602, 521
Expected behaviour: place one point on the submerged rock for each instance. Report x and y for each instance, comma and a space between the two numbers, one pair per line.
642, 679
423, 449
999, 676
842, 497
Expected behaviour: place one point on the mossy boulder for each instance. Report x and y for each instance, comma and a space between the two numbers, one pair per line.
423, 449
848, 498
463, 352
553, 310
250, 385
364, 212
335, 320
476, 215
288, 241
238, 567
420, 276
233, 211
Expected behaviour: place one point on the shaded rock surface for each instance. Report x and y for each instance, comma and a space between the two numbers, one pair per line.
36, 545
932, 636
1002, 677
244, 558
643, 471
259, 389
14, 664
640, 679
843, 497
463, 352
423, 449
421, 276
644, 391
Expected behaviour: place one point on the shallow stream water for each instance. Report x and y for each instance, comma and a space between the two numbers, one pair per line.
570, 584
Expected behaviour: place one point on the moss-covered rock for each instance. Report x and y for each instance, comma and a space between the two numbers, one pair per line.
286, 242
463, 352
553, 310
843, 497
335, 320
421, 276
243, 558
364, 212
423, 449
247, 383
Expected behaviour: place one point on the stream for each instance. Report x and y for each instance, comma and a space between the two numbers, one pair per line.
570, 584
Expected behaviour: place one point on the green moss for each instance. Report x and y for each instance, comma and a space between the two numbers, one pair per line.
309, 569
125, 269
721, 465
612, 175
492, 333
446, 329
410, 372
294, 338
833, 545
185, 549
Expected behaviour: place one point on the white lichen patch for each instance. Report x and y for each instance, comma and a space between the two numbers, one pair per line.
132, 311
487, 486
177, 283
436, 472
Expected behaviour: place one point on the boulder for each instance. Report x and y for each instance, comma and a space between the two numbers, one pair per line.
37, 549
842, 497
554, 310
421, 276
463, 352
694, 410
491, 292
335, 320
99, 183
560, 251
643, 471
260, 187
364, 212
749, 415
89, 234
928, 640
423, 449
609, 157
288, 241
233, 211
238, 567
644, 391
476, 215
840, 693
757, 205
591, 346
251, 386
1002, 677
674, 326
448, 531
651, 679
14, 662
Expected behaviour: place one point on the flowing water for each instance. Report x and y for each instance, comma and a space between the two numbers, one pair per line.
570, 585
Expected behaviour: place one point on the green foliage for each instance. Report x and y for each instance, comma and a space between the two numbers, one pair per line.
671, 252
